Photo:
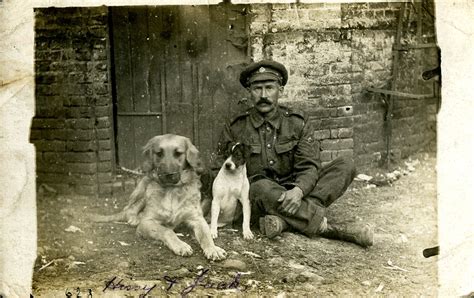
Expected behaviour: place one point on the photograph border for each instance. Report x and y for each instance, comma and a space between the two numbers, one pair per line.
455, 31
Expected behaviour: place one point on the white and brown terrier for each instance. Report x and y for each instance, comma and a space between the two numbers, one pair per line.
230, 185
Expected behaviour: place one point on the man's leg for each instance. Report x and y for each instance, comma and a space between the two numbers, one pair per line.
334, 180
264, 195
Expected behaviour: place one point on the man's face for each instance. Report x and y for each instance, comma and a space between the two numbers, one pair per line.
265, 95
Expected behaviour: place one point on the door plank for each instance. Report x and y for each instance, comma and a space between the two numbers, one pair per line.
157, 58
227, 62
182, 62
122, 61
140, 56
125, 136
126, 143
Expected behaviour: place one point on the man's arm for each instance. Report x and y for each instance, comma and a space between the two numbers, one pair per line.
307, 160
306, 167
225, 140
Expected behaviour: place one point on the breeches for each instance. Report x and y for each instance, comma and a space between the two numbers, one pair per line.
333, 181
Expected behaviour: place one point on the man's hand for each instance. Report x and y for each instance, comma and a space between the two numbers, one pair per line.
291, 200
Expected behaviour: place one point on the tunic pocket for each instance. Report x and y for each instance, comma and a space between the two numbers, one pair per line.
285, 147
256, 149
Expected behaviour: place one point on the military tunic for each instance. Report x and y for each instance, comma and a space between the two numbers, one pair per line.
283, 147
285, 154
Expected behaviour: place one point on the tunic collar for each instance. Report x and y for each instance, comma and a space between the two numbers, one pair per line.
257, 119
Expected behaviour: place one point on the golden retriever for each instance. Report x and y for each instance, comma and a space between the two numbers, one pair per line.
168, 196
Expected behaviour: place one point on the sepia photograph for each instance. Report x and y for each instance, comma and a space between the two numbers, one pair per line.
231, 149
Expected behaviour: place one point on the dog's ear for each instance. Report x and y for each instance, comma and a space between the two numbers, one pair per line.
193, 157
147, 164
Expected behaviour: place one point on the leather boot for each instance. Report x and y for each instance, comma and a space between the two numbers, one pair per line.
272, 226
362, 236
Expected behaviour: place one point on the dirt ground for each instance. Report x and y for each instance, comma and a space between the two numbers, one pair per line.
76, 256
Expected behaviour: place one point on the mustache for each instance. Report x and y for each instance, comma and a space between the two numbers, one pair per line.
264, 100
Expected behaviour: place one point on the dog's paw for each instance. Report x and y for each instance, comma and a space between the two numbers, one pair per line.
133, 221
215, 253
182, 249
214, 234
248, 235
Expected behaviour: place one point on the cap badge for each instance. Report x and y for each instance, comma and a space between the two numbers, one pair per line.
262, 69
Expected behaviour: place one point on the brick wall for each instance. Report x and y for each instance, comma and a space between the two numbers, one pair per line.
72, 128
334, 52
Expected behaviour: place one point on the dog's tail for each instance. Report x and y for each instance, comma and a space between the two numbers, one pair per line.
121, 216
129, 214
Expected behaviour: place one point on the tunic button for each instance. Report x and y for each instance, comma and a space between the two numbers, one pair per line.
268, 128
271, 162
269, 146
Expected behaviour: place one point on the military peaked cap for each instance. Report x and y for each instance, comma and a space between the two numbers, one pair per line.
265, 70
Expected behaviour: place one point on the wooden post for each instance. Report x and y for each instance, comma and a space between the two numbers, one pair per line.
391, 98
419, 36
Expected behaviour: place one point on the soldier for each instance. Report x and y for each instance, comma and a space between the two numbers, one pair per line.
289, 187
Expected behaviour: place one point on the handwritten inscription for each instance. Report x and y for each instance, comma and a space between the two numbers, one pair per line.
77, 292
119, 284
199, 281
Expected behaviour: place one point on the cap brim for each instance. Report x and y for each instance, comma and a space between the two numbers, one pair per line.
263, 77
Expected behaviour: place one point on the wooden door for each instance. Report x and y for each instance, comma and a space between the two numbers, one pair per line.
176, 71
